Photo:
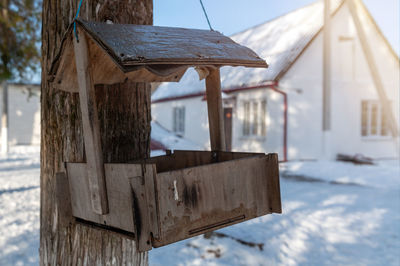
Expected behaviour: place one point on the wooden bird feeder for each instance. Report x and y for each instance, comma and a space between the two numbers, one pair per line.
163, 199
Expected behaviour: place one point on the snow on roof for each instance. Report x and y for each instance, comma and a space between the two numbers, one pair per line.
170, 140
279, 41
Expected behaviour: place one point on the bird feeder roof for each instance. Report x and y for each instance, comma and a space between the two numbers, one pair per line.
147, 53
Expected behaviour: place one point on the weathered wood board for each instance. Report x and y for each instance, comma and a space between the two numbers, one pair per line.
144, 53
91, 127
133, 45
120, 195
180, 159
215, 111
196, 200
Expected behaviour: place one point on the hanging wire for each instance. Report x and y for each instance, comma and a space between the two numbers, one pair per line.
205, 13
76, 17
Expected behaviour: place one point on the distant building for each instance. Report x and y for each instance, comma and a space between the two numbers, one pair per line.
24, 113
255, 99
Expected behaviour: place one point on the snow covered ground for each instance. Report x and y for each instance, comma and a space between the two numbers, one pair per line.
19, 207
333, 214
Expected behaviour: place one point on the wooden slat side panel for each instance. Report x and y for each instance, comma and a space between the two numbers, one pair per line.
140, 216
145, 208
274, 195
80, 193
200, 199
217, 156
152, 208
120, 198
119, 194
180, 159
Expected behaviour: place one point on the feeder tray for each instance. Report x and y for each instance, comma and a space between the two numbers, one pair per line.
168, 198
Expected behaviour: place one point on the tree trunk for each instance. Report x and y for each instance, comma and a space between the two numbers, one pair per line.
124, 114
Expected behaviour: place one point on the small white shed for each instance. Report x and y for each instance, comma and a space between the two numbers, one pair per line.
23, 113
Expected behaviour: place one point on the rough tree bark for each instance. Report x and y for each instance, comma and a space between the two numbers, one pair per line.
124, 113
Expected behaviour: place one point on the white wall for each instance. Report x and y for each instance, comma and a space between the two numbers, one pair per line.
358, 85
24, 114
303, 84
351, 83
196, 119
273, 141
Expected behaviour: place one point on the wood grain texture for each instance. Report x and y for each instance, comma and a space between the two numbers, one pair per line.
148, 53
145, 208
201, 192
180, 159
132, 200
200, 199
64, 199
274, 189
215, 110
123, 110
119, 194
91, 127
132, 45
105, 71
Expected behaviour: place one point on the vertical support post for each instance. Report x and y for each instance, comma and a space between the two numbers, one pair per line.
91, 127
215, 111
4, 120
326, 98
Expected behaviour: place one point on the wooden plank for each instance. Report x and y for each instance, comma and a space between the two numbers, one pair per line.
144, 45
91, 127
196, 200
274, 190
215, 110
152, 208
125, 47
180, 159
119, 194
144, 208
106, 70
374, 70
326, 75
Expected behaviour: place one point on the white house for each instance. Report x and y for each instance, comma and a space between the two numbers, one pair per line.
256, 99
23, 113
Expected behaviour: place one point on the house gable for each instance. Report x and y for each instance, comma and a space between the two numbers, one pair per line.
351, 84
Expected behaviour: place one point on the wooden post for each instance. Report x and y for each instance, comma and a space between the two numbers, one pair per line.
374, 70
91, 127
326, 98
215, 111
4, 120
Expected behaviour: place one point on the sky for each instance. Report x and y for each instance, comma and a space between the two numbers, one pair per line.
231, 16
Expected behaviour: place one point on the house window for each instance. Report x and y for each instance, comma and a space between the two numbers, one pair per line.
254, 118
373, 120
179, 120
